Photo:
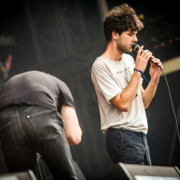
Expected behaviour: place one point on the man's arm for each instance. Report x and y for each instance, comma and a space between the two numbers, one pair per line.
72, 129
124, 100
149, 92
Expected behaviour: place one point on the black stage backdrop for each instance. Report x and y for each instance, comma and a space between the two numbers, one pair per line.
64, 38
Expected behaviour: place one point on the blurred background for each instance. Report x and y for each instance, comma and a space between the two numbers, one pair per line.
64, 37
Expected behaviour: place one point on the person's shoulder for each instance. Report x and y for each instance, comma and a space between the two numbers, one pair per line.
101, 62
99, 65
98, 62
24, 75
47, 77
33, 74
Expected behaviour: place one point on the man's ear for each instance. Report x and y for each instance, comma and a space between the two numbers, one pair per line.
115, 35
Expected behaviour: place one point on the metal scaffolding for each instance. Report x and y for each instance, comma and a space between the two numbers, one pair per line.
57, 27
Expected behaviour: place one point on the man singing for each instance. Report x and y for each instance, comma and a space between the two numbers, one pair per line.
37, 114
118, 85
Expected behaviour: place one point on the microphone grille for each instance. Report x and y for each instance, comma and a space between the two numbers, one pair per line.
135, 47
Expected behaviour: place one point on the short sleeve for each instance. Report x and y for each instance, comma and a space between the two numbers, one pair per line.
105, 84
67, 97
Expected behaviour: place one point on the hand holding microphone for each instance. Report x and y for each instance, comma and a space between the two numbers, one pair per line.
142, 59
140, 50
143, 56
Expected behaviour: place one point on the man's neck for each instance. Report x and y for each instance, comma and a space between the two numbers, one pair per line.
112, 53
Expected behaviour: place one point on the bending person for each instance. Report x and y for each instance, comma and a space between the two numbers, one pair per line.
37, 114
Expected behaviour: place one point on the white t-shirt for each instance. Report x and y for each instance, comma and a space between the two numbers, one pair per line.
111, 78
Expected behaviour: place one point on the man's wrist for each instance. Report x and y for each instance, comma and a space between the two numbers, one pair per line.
138, 71
142, 75
154, 80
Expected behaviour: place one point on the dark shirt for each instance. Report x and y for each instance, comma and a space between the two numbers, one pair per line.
35, 88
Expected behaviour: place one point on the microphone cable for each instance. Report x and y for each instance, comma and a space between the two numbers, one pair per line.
176, 121
136, 48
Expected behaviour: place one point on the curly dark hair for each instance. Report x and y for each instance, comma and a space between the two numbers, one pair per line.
119, 19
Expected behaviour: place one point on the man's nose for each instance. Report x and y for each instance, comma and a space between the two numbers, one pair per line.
135, 38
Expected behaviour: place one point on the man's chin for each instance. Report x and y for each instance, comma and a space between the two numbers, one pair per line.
128, 50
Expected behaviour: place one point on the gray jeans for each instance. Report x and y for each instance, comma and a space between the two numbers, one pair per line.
25, 130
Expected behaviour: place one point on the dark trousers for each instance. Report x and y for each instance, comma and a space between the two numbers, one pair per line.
25, 130
127, 146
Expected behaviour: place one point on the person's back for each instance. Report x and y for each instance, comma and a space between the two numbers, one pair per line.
34, 88
34, 109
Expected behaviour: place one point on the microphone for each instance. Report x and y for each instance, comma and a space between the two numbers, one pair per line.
136, 47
